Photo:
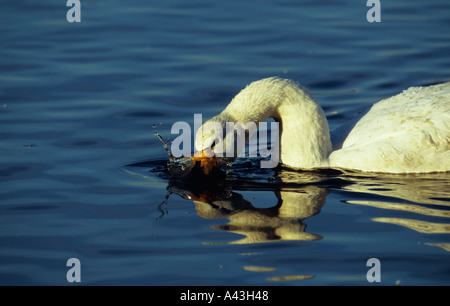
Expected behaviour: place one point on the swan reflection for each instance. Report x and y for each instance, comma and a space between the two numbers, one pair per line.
281, 222
300, 195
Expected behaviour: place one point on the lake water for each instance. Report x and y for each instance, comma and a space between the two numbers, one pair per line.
82, 174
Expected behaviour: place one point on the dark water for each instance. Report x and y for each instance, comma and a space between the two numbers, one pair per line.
82, 174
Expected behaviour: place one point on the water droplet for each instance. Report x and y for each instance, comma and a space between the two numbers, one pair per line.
166, 147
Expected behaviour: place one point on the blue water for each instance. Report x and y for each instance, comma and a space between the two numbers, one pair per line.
83, 176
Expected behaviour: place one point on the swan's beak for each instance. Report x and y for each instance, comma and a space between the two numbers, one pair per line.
206, 163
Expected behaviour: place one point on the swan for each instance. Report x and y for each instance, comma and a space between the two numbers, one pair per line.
406, 133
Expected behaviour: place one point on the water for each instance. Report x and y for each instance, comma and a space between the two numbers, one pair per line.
82, 174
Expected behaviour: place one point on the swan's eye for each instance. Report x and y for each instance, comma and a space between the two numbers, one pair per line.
213, 144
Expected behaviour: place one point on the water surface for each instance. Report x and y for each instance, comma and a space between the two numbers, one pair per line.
82, 174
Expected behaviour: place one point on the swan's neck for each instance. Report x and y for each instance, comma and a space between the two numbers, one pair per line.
305, 138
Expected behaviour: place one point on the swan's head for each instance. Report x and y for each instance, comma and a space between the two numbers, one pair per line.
208, 144
222, 137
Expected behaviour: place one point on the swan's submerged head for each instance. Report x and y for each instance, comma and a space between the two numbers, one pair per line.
201, 164
195, 168
206, 162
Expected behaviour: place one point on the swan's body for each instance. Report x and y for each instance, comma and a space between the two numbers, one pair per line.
407, 133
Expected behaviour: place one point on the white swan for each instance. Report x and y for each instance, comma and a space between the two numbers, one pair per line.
407, 133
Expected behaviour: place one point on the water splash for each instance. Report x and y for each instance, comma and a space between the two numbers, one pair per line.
185, 166
165, 145
177, 167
